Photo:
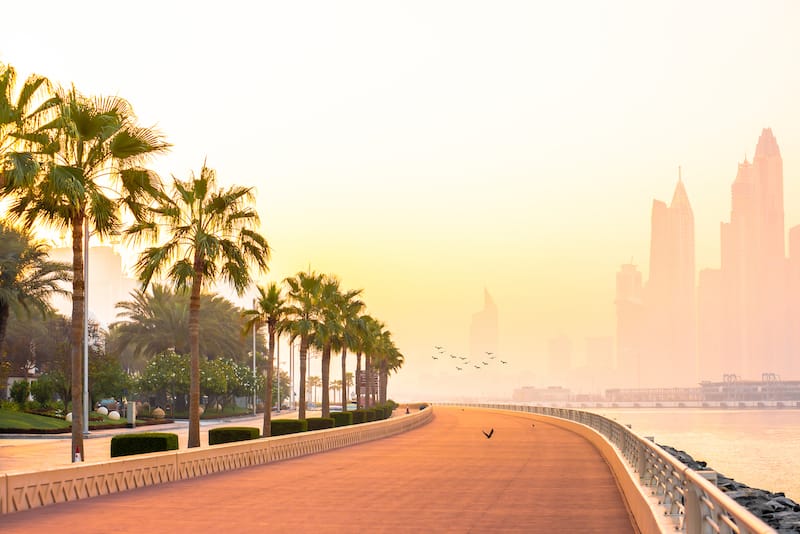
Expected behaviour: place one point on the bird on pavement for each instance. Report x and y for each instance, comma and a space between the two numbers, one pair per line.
489, 435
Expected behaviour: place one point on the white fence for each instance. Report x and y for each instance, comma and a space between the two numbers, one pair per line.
24, 491
696, 505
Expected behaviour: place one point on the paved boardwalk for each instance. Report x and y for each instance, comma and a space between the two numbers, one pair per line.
443, 477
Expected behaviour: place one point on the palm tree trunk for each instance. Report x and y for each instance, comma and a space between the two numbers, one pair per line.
4, 309
384, 381
368, 374
76, 336
267, 431
194, 349
357, 384
344, 379
301, 409
326, 380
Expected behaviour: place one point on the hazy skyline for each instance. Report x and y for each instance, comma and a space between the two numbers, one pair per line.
426, 150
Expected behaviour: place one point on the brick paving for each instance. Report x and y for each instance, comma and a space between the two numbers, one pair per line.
443, 477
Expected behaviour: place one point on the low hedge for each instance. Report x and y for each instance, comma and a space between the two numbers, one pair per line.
342, 418
280, 427
372, 414
320, 423
359, 416
228, 434
143, 443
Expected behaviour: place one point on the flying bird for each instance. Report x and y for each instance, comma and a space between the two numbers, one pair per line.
489, 435
462, 358
489, 353
459, 368
438, 347
501, 361
434, 357
484, 363
477, 367
453, 356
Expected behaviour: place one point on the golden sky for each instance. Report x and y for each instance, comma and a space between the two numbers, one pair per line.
424, 150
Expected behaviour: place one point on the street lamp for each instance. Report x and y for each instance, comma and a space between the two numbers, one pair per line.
86, 327
255, 327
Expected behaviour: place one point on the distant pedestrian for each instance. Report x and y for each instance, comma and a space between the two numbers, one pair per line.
407, 410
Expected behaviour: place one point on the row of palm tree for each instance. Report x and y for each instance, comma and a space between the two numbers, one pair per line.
77, 163
313, 309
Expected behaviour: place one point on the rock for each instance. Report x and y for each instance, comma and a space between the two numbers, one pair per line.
113, 415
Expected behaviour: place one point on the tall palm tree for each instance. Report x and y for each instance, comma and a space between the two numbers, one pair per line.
27, 277
329, 333
350, 307
314, 382
97, 151
303, 321
21, 112
270, 310
370, 340
389, 359
210, 236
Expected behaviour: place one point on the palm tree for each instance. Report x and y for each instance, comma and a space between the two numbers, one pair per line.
314, 382
336, 385
349, 309
303, 321
270, 309
27, 277
329, 333
156, 320
370, 344
348, 383
211, 236
389, 359
18, 121
97, 151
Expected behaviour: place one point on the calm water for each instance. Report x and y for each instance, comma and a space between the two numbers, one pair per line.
760, 448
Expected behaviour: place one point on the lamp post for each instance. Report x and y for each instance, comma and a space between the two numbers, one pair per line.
86, 327
279, 375
255, 327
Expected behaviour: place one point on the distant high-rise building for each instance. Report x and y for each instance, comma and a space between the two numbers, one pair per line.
711, 334
483, 332
754, 266
669, 296
630, 324
107, 283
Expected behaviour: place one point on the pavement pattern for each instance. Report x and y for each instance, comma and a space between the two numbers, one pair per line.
443, 477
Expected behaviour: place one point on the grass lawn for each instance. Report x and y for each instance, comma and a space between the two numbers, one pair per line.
26, 421
12, 420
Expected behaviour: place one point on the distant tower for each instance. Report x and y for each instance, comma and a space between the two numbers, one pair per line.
630, 324
754, 266
670, 293
483, 330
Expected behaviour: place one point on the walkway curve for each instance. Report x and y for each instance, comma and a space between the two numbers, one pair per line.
443, 477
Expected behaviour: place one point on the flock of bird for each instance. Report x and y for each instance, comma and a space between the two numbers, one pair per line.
463, 361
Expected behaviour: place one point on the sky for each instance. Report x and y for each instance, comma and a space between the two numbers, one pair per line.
426, 150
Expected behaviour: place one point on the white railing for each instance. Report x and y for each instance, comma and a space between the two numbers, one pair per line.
26, 490
695, 504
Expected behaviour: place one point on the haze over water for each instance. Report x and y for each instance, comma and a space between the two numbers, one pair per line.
760, 448
425, 151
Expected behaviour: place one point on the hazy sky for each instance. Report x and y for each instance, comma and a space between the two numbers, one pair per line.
424, 150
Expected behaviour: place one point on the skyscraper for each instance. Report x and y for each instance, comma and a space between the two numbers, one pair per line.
754, 266
669, 296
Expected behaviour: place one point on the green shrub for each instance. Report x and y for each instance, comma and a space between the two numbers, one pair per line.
142, 443
372, 414
320, 423
359, 416
384, 411
342, 418
393, 404
42, 391
280, 427
228, 434
19, 392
